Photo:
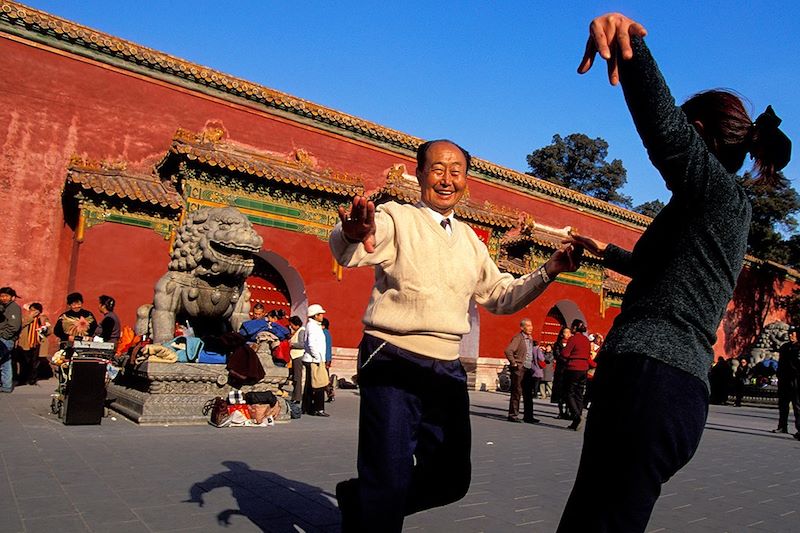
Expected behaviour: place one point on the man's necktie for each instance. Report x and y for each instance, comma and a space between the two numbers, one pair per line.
445, 223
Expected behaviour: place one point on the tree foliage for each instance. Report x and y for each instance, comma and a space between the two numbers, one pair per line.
775, 211
579, 162
650, 209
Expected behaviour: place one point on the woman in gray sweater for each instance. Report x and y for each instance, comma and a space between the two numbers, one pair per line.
650, 390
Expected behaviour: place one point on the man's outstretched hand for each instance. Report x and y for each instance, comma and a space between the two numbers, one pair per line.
594, 246
565, 259
610, 36
359, 224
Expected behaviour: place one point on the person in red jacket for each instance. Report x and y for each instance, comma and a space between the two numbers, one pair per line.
578, 355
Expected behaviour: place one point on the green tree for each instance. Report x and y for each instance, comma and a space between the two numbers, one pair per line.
775, 210
650, 209
579, 162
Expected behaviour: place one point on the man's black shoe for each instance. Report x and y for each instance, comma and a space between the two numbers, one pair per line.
780, 430
514, 419
575, 425
531, 420
321, 413
797, 435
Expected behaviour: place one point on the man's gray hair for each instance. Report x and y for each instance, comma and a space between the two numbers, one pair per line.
524, 320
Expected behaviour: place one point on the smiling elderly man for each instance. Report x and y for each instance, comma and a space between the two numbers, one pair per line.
414, 430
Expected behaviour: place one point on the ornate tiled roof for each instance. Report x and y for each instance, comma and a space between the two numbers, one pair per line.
403, 187
119, 51
615, 282
538, 238
113, 180
551, 190
299, 168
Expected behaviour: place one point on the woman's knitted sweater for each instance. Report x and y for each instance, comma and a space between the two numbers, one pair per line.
684, 267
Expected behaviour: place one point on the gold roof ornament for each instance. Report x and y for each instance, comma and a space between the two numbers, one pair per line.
298, 168
112, 179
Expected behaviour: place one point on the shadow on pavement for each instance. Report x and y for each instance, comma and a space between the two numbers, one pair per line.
270, 501
754, 432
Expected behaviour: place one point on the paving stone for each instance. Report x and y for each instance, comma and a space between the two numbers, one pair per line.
124, 478
62, 524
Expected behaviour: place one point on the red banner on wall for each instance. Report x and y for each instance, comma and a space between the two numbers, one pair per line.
483, 234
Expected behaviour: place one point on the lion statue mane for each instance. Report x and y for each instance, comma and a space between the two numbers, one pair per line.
211, 258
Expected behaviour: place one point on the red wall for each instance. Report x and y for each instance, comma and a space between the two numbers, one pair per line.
124, 262
54, 105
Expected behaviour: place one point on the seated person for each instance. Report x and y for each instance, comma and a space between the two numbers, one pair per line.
280, 331
251, 328
75, 322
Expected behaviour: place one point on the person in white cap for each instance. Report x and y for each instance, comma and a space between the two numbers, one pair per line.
314, 398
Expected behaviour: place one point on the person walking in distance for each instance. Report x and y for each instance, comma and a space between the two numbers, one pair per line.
789, 383
578, 357
559, 395
524, 357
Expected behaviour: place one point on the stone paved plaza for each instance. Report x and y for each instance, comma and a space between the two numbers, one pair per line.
122, 478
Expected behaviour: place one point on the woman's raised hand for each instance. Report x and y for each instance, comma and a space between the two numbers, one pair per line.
610, 36
359, 224
594, 246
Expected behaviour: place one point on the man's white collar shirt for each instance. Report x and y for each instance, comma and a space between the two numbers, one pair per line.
438, 217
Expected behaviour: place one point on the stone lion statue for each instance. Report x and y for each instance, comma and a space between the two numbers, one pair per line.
205, 283
772, 337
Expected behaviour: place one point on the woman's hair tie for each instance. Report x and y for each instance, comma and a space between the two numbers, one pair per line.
771, 148
768, 120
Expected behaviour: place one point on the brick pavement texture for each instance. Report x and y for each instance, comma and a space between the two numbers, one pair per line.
119, 477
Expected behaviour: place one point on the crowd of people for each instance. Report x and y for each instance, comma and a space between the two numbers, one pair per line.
561, 371
732, 377
305, 349
25, 331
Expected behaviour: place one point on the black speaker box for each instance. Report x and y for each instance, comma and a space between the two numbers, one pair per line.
84, 401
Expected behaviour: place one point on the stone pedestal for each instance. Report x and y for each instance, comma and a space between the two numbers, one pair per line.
162, 393
487, 370
482, 373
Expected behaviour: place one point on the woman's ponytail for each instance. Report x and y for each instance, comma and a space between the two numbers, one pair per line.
730, 133
769, 146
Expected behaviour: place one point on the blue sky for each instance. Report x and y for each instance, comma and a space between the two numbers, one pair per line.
497, 77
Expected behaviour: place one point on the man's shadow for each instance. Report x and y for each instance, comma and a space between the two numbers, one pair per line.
270, 501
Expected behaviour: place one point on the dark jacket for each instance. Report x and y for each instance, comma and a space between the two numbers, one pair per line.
789, 365
63, 334
517, 350
10, 321
684, 267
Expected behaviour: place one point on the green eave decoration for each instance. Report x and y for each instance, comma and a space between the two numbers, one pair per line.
95, 215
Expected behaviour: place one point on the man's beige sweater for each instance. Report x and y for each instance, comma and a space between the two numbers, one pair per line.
425, 278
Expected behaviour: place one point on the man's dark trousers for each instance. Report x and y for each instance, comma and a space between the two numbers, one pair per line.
530, 384
413, 436
516, 373
788, 393
576, 386
644, 425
